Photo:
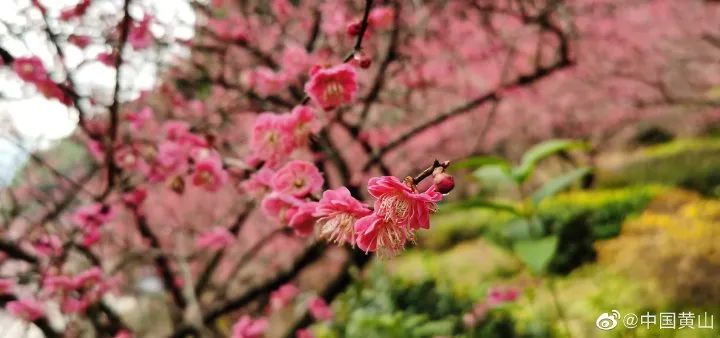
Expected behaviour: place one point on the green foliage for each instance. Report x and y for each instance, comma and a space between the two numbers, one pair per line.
536, 253
578, 218
382, 307
692, 163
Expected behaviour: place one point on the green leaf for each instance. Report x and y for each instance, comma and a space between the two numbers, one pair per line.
540, 152
495, 174
482, 203
536, 253
559, 184
479, 161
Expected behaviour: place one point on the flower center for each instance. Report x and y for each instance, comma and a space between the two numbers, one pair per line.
395, 208
299, 183
333, 92
206, 177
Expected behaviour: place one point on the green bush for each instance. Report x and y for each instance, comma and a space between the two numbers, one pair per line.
382, 306
691, 163
579, 218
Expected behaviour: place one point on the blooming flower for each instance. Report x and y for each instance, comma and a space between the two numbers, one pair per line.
497, 296
47, 245
232, 29
81, 41
283, 296
138, 118
376, 233
331, 87
209, 173
28, 309
320, 310
297, 178
140, 36
75, 11
93, 215
295, 61
301, 218
215, 239
271, 138
304, 333
381, 17
266, 81
246, 327
135, 198
400, 203
259, 182
290, 210
337, 212
303, 124
6, 285
124, 334
30, 69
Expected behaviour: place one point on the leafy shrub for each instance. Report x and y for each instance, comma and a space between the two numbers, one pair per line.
692, 164
579, 218
675, 243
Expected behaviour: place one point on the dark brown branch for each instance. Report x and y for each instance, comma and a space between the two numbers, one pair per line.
161, 262
115, 107
390, 56
213, 263
16, 252
310, 255
363, 29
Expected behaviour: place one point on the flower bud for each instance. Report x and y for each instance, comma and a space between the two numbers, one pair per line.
444, 182
362, 60
353, 29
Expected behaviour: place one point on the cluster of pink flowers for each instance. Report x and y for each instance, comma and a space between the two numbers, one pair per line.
32, 70
90, 219
275, 136
289, 202
399, 210
140, 36
495, 297
75, 11
77, 293
29, 309
247, 327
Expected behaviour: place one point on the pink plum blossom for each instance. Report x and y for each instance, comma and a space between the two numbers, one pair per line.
266, 81
400, 203
320, 310
303, 124
138, 118
259, 182
93, 215
271, 138
290, 210
497, 296
29, 309
283, 296
215, 239
304, 333
6, 285
140, 36
30, 69
209, 173
297, 178
47, 245
375, 233
332, 87
247, 327
337, 212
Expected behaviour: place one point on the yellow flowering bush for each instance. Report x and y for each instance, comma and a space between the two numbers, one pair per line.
675, 243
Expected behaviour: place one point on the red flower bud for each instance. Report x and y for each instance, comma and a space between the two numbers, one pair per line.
444, 183
362, 60
353, 29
